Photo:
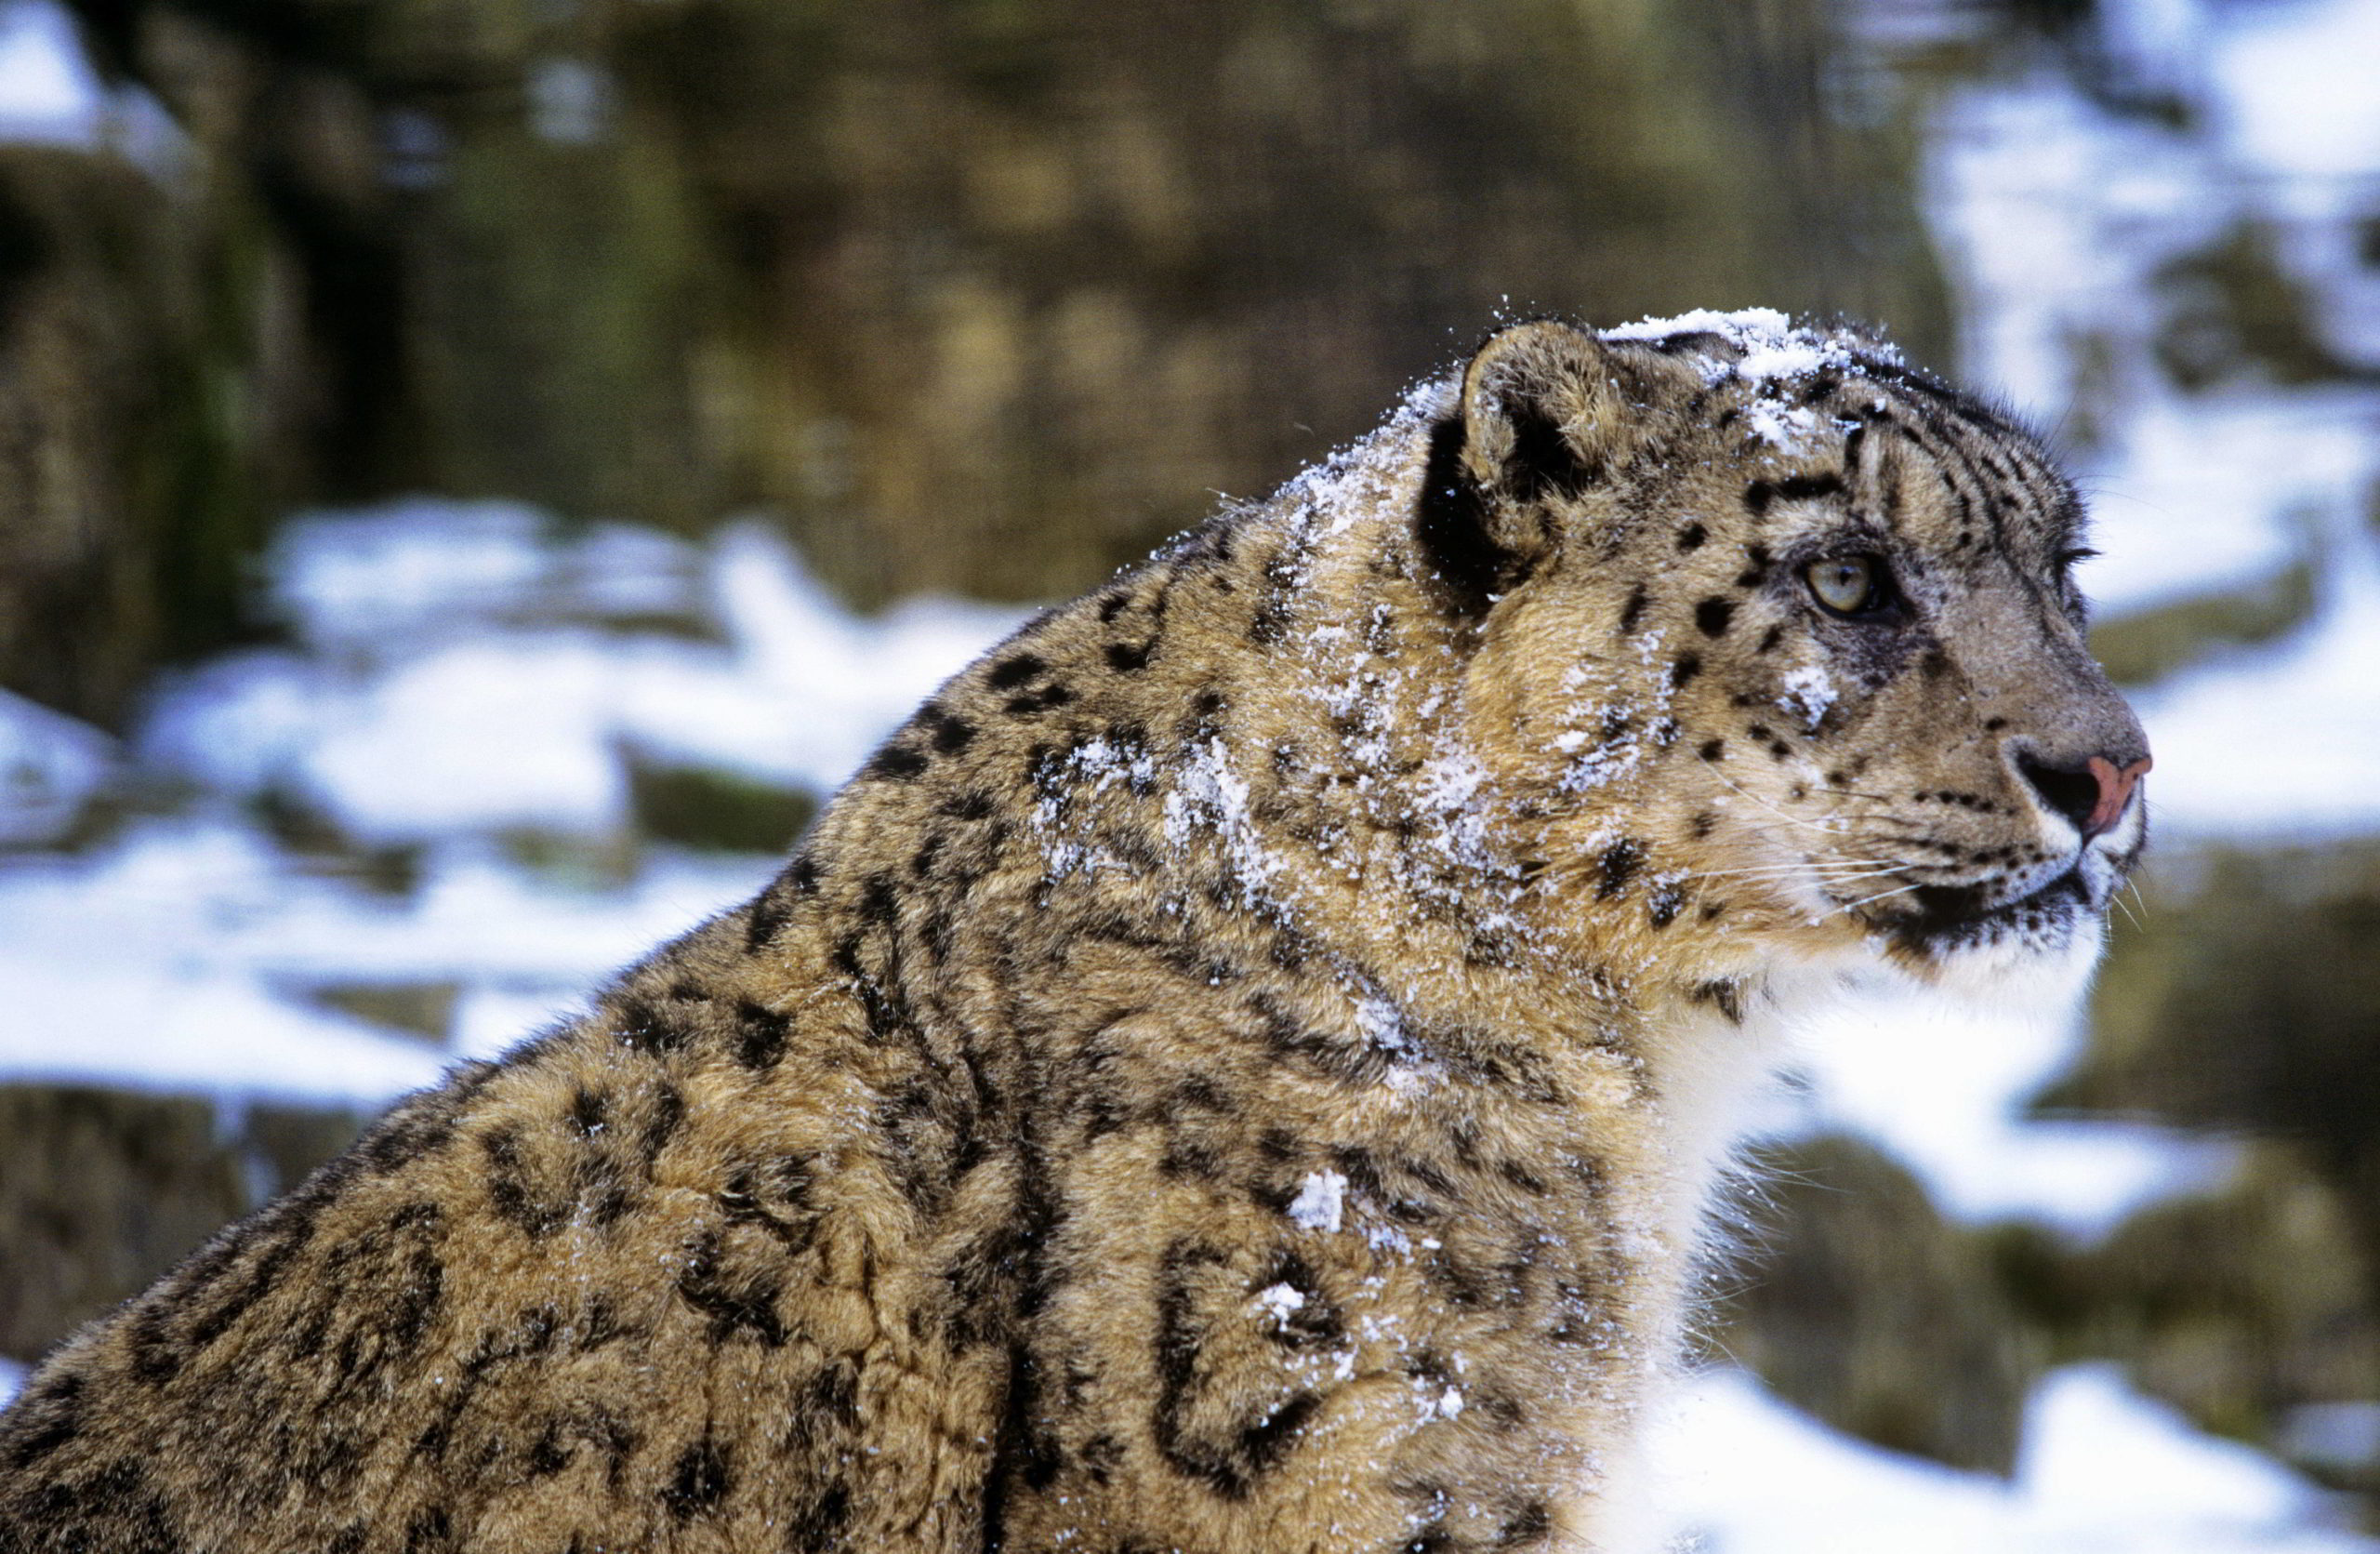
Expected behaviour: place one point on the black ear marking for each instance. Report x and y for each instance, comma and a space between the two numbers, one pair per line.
1451, 526
1543, 462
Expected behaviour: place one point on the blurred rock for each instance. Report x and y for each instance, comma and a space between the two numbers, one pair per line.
2233, 312
423, 1009
2243, 996
102, 1190
2243, 1308
1863, 1305
712, 809
2146, 645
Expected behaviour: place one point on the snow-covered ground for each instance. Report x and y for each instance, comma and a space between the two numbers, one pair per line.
460, 675
2104, 1471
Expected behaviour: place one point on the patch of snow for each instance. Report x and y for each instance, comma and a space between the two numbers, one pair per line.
2281, 742
1809, 694
1320, 1200
1742, 325
471, 666
2295, 88
177, 959
1940, 1083
48, 91
1282, 1301
1787, 428
50, 765
2105, 1471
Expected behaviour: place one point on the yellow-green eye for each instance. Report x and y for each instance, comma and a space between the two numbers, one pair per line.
1846, 585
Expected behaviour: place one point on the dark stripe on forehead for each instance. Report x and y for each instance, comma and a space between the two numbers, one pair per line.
2017, 472
1951, 446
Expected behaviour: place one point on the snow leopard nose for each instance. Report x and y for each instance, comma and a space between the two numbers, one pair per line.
2093, 796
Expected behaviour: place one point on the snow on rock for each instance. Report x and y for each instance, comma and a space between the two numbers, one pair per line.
2105, 1471
50, 765
473, 666
47, 89
2297, 88
2313, 699
1941, 1082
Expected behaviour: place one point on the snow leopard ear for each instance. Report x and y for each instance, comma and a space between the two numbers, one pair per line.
1540, 415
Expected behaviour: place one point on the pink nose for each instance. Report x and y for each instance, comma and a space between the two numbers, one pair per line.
2115, 791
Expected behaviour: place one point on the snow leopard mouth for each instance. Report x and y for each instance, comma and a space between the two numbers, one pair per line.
1935, 921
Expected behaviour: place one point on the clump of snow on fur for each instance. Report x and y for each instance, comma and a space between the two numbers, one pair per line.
1321, 1202
1807, 694
1784, 427
1739, 325
1282, 1301
1209, 794
1774, 352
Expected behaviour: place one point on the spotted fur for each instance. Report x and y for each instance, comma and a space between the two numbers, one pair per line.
1238, 1070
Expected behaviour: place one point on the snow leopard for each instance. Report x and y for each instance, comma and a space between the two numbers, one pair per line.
1246, 1066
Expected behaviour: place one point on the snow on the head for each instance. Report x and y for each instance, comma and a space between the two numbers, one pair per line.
1775, 352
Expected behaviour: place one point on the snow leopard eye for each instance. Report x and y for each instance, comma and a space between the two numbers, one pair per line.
1848, 586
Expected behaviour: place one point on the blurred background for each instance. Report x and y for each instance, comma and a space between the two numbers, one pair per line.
474, 473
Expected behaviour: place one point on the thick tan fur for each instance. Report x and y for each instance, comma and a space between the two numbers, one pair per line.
1237, 1071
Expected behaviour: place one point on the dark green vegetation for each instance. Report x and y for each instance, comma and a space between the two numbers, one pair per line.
974, 294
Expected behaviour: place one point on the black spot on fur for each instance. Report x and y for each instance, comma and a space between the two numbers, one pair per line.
1713, 750
733, 1306
429, 1530
1770, 638
1013, 671
1712, 614
1532, 1523
1805, 488
1757, 495
761, 1034
1686, 667
49, 1417
1662, 910
1727, 997
589, 1109
1619, 863
1450, 525
765, 919
641, 1026
509, 1187
896, 763
1691, 537
1056, 694
699, 1482
1633, 611
668, 1113
1129, 658
1229, 1461
950, 733
974, 804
